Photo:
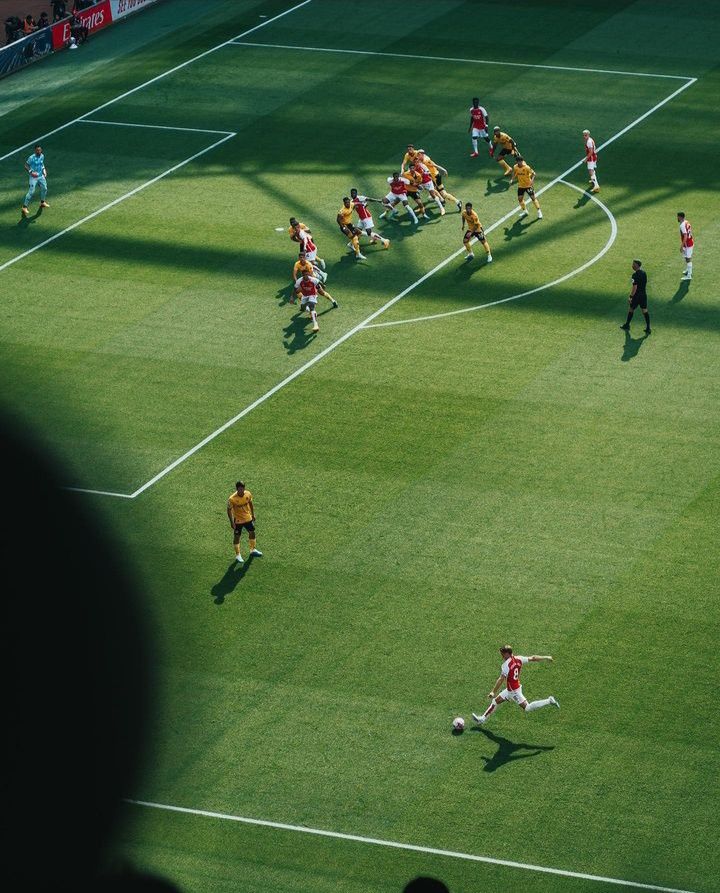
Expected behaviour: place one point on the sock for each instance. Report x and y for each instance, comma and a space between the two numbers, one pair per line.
688, 268
491, 709
647, 320
439, 203
630, 316
474, 144
593, 177
505, 166
252, 543
412, 213
313, 314
486, 246
236, 546
536, 203
536, 705
450, 196
356, 244
522, 206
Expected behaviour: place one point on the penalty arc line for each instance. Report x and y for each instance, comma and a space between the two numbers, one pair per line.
603, 251
361, 325
415, 848
153, 80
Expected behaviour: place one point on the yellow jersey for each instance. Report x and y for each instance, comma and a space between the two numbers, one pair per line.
302, 266
473, 221
292, 231
524, 174
240, 506
345, 215
505, 140
431, 166
414, 178
409, 159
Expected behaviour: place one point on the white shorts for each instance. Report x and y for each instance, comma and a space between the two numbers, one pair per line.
476, 133
687, 252
592, 165
308, 303
428, 187
366, 224
392, 198
517, 695
311, 255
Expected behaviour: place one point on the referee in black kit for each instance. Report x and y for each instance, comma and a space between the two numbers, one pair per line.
638, 296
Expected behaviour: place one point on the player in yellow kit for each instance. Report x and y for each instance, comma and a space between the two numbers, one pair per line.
413, 190
525, 176
348, 228
474, 231
302, 264
409, 158
241, 513
437, 172
507, 146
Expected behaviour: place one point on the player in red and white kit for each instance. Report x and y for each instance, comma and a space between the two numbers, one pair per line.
591, 160
298, 232
428, 184
510, 678
479, 120
397, 195
687, 243
365, 220
307, 288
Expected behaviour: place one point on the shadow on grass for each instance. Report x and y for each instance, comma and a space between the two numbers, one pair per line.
519, 227
497, 187
682, 291
507, 751
582, 201
468, 268
230, 579
25, 222
632, 346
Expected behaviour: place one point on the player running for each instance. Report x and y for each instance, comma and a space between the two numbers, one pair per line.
474, 231
437, 172
687, 243
398, 195
508, 146
319, 286
479, 120
525, 176
35, 166
510, 678
591, 160
298, 232
307, 288
348, 228
365, 220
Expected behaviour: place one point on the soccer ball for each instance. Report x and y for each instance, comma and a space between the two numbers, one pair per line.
458, 723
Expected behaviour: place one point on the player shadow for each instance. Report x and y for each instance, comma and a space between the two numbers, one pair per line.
284, 294
519, 228
632, 346
230, 579
582, 201
683, 289
297, 334
469, 268
507, 751
494, 187
25, 222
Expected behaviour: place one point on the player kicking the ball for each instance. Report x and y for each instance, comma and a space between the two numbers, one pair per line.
510, 678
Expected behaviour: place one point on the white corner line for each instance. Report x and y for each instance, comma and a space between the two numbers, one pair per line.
122, 198
396, 845
236, 41
153, 126
603, 251
98, 492
153, 80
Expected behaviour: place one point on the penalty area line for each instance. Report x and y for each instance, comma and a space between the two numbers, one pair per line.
603, 251
153, 126
414, 848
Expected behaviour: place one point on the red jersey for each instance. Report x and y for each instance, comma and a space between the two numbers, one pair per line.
424, 172
308, 288
590, 153
479, 118
360, 203
398, 187
511, 671
307, 242
686, 236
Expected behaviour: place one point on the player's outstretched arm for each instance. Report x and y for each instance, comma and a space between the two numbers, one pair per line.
536, 658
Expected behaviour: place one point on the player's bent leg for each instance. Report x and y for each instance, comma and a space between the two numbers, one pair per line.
537, 705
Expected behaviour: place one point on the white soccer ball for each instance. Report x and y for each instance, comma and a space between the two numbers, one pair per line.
458, 723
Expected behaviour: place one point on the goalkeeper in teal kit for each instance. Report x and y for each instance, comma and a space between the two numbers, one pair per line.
35, 166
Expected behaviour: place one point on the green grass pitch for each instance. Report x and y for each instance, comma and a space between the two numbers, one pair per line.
428, 489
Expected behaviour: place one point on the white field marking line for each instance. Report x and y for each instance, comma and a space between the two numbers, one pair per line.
170, 170
376, 313
153, 80
151, 126
392, 844
524, 294
236, 41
